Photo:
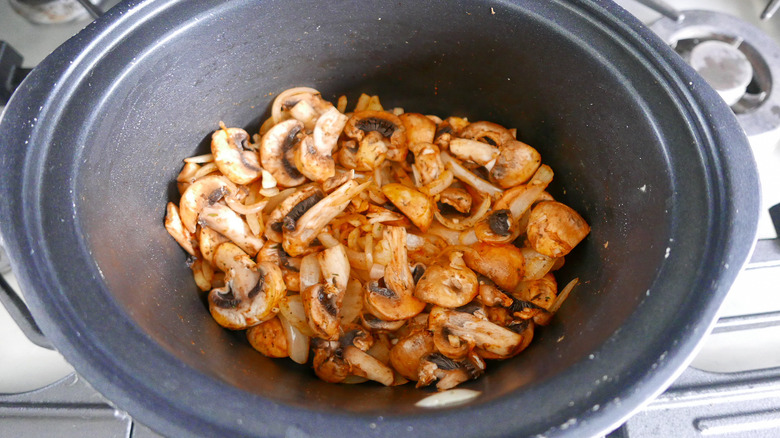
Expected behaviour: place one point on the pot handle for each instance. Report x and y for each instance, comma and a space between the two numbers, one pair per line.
21, 315
11, 71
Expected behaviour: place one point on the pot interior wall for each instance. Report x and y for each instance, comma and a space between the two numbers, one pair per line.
584, 101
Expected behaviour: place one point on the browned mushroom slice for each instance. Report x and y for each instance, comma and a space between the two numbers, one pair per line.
329, 364
251, 292
300, 201
232, 156
427, 162
474, 151
204, 191
268, 338
413, 204
392, 297
449, 284
314, 157
311, 223
448, 373
515, 165
176, 229
407, 354
419, 128
322, 304
502, 263
387, 124
525, 328
208, 241
303, 103
276, 153
487, 132
554, 229
541, 292
364, 365
456, 198
477, 330
378, 325
228, 223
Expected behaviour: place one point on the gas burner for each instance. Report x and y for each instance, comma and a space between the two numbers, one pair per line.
737, 59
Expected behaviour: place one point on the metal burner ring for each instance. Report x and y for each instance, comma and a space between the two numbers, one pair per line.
759, 110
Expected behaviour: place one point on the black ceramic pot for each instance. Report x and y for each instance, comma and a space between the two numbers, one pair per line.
642, 147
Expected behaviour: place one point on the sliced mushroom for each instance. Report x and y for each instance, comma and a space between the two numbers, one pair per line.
413, 204
228, 223
456, 198
293, 207
448, 373
364, 365
525, 328
393, 299
378, 325
372, 151
448, 284
427, 161
487, 132
289, 104
322, 303
176, 229
314, 157
276, 153
204, 191
328, 363
541, 292
491, 295
515, 165
554, 229
419, 128
232, 157
451, 345
310, 224
502, 263
268, 338
251, 292
407, 354
387, 124
474, 151
484, 334
208, 241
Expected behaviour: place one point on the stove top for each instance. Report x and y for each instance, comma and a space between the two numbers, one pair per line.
732, 387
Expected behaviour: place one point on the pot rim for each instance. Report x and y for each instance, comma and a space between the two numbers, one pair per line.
735, 203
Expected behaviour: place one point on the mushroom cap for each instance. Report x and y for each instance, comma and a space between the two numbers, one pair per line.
241, 166
268, 338
386, 124
407, 353
515, 165
322, 303
554, 229
413, 204
389, 305
276, 152
419, 128
487, 132
503, 263
204, 191
448, 285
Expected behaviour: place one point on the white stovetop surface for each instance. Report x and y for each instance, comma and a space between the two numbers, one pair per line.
24, 366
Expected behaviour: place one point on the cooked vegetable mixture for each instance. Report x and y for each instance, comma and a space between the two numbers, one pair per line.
376, 244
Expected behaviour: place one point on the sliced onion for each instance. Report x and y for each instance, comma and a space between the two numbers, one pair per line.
205, 170
310, 271
187, 174
244, 209
200, 159
451, 237
520, 204
468, 237
276, 200
377, 271
438, 185
536, 265
352, 304
414, 242
327, 240
297, 342
291, 307
359, 260
563, 295
380, 352
469, 178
